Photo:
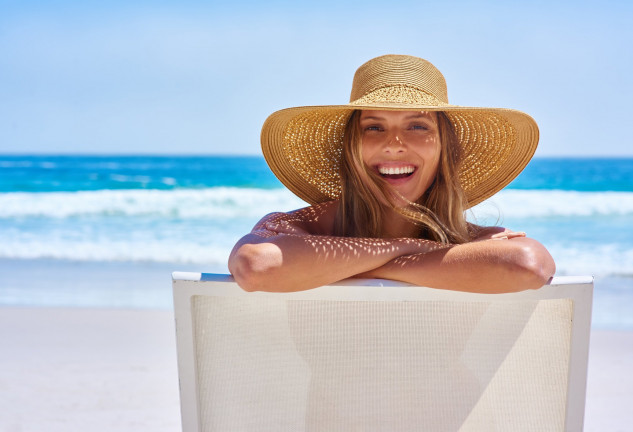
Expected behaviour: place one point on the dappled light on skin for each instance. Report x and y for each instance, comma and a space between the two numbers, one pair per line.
403, 148
348, 248
297, 250
298, 224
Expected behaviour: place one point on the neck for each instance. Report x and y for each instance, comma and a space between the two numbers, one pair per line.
396, 225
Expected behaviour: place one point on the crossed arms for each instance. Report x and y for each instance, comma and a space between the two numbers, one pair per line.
291, 252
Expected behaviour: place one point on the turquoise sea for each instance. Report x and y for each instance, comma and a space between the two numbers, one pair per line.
190, 210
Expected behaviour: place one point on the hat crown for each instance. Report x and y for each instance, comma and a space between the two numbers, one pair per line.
398, 71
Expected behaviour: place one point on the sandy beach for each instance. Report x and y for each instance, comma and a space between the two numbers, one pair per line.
91, 346
88, 370
83, 369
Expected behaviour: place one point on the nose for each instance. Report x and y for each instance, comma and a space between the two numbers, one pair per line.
394, 144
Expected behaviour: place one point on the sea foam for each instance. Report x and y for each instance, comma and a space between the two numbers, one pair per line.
571, 258
180, 203
230, 202
553, 203
201, 225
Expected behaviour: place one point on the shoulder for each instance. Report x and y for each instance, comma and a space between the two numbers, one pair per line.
317, 219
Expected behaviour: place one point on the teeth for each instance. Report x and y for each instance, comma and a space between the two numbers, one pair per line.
395, 170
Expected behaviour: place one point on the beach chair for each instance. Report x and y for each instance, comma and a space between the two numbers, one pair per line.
377, 355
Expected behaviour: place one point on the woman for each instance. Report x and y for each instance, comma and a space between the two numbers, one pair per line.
389, 176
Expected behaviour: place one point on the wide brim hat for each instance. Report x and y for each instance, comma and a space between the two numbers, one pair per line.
303, 145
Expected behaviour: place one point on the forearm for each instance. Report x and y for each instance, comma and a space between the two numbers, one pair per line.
489, 266
298, 262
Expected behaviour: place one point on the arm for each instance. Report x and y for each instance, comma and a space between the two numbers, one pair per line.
297, 259
282, 253
500, 261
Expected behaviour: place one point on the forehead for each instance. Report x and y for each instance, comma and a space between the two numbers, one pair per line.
397, 115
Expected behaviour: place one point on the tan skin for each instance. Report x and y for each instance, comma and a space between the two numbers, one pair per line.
297, 251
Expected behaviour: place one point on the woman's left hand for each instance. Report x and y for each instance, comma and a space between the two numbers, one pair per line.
507, 234
497, 233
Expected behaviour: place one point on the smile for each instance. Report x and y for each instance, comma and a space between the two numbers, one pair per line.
395, 172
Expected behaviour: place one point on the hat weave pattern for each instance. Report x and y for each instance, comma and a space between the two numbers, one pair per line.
491, 135
399, 95
312, 143
303, 145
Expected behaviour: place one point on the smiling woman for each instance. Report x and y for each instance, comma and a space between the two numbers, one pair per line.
389, 177
400, 151
403, 147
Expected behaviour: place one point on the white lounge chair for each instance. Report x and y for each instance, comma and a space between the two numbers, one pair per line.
376, 355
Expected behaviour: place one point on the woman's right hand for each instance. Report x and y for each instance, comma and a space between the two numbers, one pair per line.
285, 227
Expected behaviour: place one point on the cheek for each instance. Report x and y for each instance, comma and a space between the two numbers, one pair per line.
367, 150
430, 150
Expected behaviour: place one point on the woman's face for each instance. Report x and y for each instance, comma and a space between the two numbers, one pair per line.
403, 147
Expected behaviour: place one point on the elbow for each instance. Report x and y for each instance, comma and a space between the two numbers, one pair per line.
253, 266
243, 273
535, 266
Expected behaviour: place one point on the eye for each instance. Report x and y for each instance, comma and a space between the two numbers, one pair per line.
373, 128
419, 126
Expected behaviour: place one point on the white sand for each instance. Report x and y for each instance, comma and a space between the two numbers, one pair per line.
88, 370
93, 370
610, 382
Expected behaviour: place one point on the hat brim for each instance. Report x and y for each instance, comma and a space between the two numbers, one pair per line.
302, 146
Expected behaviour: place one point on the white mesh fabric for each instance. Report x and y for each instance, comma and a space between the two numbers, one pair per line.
269, 364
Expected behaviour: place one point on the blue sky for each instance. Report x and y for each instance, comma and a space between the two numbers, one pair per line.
201, 77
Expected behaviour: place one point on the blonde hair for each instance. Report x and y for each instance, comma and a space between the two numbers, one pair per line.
439, 212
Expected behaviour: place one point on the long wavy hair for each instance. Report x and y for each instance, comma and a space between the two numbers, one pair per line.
438, 213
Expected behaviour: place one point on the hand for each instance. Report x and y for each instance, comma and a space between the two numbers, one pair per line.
507, 234
283, 227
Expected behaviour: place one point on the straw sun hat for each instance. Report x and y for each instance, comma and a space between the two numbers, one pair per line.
303, 145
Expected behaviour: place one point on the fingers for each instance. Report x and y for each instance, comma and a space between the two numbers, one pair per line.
283, 228
507, 235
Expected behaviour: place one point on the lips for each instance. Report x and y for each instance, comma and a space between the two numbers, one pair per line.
395, 172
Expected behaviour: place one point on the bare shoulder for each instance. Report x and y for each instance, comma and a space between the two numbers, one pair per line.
317, 219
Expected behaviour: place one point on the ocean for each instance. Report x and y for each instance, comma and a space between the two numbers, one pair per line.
188, 211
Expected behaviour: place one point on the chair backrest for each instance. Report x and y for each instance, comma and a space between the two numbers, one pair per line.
376, 355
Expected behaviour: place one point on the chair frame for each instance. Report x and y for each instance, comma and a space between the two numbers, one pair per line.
186, 285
